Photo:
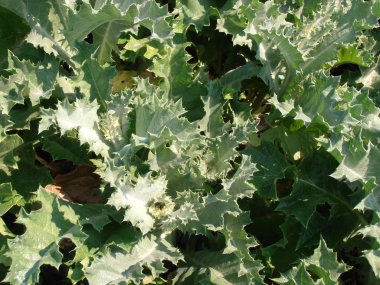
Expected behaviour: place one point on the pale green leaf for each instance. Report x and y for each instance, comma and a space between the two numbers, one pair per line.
31, 250
39, 81
8, 198
70, 117
373, 257
359, 164
322, 264
7, 145
138, 200
66, 148
121, 267
213, 267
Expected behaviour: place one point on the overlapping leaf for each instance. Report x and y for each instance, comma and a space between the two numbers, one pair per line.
123, 267
30, 251
258, 151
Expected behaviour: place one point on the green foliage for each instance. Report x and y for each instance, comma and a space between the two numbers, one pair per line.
222, 142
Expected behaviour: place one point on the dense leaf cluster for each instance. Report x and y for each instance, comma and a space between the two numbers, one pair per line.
189, 142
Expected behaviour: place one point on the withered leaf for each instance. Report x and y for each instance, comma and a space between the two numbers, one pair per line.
78, 185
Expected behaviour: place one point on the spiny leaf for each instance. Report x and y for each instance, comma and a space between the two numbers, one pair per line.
7, 145
107, 21
139, 201
212, 267
124, 267
66, 148
38, 82
8, 198
69, 117
270, 166
311, 189
359, 164
30, 251
46, 20
322, 264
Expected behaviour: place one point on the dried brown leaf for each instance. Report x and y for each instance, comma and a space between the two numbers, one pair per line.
78, 185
